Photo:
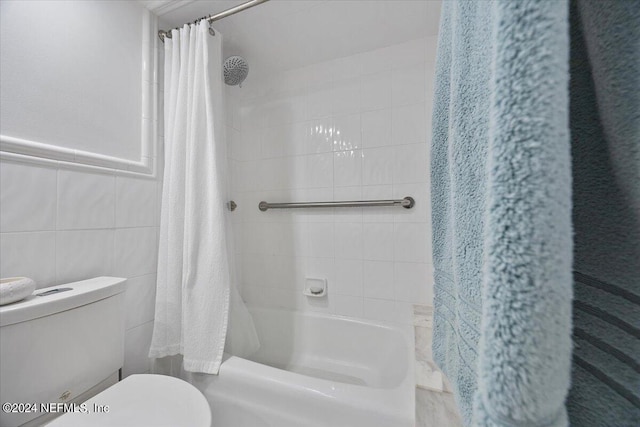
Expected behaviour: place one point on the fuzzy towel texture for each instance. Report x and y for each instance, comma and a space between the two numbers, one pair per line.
605, 139
505, 195
501, 203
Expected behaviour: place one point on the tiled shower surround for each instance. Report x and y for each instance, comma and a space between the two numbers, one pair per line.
355, 128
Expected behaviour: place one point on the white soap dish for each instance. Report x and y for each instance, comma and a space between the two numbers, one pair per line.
315, 288
14, 289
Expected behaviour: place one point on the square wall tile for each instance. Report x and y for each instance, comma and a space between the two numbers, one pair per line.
377, 166
376, 128
136, 251
30, 255
347, 132
379, 309
349, 277
319, 136
246, 175
273, 238
140, 299
347, 168
254, 269
279, 298
408, 124
348, 240
252, 113
284, 241
319, 170
273, 141
296, 139
248, 146
255, 239
378, 279
83, 254
281, 272
321, 239
378, 241
345, 305
27, 197
411, 164
273, 174
137, 342
85, 200
408, 85
296, 172
413, 283
136, 204
278, 110
412, 242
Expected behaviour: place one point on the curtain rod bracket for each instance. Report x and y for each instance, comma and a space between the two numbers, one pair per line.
162, 34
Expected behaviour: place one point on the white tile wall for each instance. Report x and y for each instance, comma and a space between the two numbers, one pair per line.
140, 299
136, 344
31, 254
82, 254
85, 201
60, 226
135, 251
352, 128
28, 198
137, 202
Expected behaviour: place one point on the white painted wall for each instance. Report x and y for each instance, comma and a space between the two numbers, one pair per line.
70, 74
353, 128
72, 77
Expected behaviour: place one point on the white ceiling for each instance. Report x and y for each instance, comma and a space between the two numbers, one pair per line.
285, 34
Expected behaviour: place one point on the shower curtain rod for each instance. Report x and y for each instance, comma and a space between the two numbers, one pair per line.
231, 11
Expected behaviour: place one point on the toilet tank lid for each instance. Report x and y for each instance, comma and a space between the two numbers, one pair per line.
56, 300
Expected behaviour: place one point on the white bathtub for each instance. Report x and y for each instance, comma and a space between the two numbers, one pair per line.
316, 370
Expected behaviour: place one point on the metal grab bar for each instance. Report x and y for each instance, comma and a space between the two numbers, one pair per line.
406, 203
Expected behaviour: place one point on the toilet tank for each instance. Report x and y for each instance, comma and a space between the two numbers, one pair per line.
60, 342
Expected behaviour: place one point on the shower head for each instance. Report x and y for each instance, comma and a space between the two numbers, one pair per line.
235, 70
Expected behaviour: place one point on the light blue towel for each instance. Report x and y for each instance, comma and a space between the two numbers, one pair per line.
605, 139
501, 203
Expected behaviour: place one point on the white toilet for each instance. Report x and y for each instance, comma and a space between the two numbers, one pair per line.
61, 351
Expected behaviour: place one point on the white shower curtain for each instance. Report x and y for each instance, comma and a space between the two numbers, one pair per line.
194, 275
